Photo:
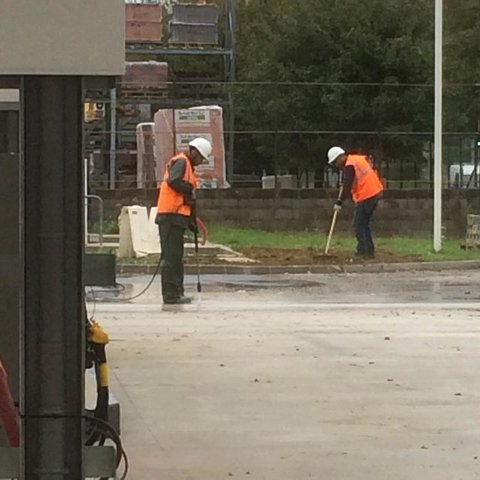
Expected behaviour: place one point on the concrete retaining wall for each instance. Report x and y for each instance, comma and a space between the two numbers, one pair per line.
402, 212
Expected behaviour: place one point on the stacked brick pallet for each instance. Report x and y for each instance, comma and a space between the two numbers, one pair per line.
143, 23
145, 80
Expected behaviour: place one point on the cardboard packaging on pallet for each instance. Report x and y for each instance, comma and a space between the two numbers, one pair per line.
175, 129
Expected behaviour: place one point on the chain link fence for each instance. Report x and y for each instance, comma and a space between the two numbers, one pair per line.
276, 134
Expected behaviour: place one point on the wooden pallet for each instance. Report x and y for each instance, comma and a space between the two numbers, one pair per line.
465, 246
196, 46
143, 93
472, 238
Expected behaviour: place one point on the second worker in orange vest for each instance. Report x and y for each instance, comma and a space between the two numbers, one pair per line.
361, 182
176, 213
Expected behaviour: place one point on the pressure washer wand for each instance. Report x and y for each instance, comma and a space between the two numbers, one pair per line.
195, 236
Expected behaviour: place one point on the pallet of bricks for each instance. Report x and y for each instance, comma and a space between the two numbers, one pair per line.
143, 23
472, 239
144, 81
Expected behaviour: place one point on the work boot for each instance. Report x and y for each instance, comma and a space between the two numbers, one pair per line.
177, 301
367, 256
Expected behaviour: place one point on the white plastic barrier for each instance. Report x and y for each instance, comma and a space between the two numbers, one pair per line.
138, 232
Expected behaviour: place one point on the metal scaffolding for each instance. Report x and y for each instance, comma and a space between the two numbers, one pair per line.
113, 138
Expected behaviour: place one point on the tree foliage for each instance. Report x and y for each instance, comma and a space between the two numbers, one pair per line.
340, 42
462, 65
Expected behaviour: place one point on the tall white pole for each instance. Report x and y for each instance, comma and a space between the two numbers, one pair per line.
437, 180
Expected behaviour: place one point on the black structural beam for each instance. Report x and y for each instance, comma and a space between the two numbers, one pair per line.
9, 240
9, 266
145, 49
53, 323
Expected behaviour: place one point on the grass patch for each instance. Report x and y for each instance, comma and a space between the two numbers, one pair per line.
110, 227
244, 238
238, 238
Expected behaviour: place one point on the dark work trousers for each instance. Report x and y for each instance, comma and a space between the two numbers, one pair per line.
363, 220
171, 264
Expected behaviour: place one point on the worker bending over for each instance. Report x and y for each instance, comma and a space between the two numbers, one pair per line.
361, 182
176, 213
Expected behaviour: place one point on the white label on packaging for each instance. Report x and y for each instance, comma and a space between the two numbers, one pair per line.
183, 139
192, 116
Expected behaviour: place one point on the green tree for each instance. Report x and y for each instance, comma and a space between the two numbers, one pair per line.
348, 41
462, 64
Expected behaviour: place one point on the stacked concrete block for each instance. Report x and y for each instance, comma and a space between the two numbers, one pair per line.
194, 24
174, 129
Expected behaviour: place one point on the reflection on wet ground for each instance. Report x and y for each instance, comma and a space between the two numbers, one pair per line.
401, 287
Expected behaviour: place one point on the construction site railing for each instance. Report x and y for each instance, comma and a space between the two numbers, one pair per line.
101, 214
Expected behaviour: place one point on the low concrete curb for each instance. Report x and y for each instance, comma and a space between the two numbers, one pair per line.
128, 269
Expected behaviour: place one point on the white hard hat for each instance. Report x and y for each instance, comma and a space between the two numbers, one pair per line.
334, 153
203, 146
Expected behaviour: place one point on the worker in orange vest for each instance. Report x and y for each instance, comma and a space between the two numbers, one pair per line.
176, 213
361, 182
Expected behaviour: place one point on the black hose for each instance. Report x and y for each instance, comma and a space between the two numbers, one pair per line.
145, 289
104, 429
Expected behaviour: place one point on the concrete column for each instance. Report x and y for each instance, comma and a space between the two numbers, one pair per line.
53, 323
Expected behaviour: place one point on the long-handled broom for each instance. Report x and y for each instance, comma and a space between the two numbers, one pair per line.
332, 226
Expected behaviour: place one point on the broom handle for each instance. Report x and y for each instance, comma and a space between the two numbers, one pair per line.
332, 226
334, 219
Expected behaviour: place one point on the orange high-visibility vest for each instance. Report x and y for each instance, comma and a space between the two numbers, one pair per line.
171, 201
366, 183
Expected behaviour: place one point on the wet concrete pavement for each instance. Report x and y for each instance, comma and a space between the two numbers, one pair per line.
300, 377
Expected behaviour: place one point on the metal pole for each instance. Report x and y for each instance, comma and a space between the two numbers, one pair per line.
113, 135
100, 216
231, 61
174, 123
437, 182
475, 159
85, 192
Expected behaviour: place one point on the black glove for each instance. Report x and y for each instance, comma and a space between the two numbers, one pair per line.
190, 199
193, 227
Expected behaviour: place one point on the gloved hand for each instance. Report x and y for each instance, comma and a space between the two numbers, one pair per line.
338, 206
191, 199
193, 227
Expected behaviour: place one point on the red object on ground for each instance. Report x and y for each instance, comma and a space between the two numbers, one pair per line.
8, 413
203, 230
